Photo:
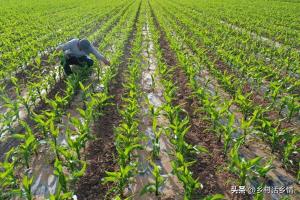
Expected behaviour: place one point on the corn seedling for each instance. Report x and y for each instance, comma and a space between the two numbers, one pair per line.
228, 130
181, 169
120, 177
159, 180
291, 147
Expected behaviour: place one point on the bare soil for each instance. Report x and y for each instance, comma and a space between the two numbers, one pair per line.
101, 156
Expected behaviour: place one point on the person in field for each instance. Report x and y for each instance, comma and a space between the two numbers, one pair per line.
76, 52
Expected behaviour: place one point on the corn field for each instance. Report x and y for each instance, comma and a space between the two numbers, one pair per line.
201, 100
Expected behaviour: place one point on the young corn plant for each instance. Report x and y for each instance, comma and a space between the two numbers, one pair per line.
26, 102
83, 124
246, 169
62, 178
125, 155
126, 136
181, 169
121, 178
273, 92
292, 104
79, 139
60, 195
157, 132
131, 110
228, 130
292, 146
85, 92
29, 145
219, 114
169, 92
13, 106
72, 85
262, 174
158, 182
244, 102
9, 118
37, 88
57, 106
171, 111
179, 129
9, 182
210, 107
106, 80
156, 144
276, 136
247, 123
101, 101
42, 123
75, 142
53, 141
26, 187
24, 152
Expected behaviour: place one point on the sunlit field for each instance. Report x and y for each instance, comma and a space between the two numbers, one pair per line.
200, 100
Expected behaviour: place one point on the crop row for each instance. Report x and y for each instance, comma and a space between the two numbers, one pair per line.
277, 20
231, 84
194, 60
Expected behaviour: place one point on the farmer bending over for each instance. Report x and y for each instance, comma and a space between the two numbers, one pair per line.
76, 52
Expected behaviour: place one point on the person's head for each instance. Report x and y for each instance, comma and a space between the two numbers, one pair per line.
84, 45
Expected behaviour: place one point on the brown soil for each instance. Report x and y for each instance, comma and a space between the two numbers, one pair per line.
58, 89
210, 169
101, 154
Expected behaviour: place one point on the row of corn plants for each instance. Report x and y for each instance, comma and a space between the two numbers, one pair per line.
105, 77
282, 59
274, 20
246, 169
19, 180
269, 130
155, 186
127, 134
280, 89
179, 123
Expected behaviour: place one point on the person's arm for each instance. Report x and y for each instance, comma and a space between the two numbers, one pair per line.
99, 56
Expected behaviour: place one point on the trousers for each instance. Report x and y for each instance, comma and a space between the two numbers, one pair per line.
82, 61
